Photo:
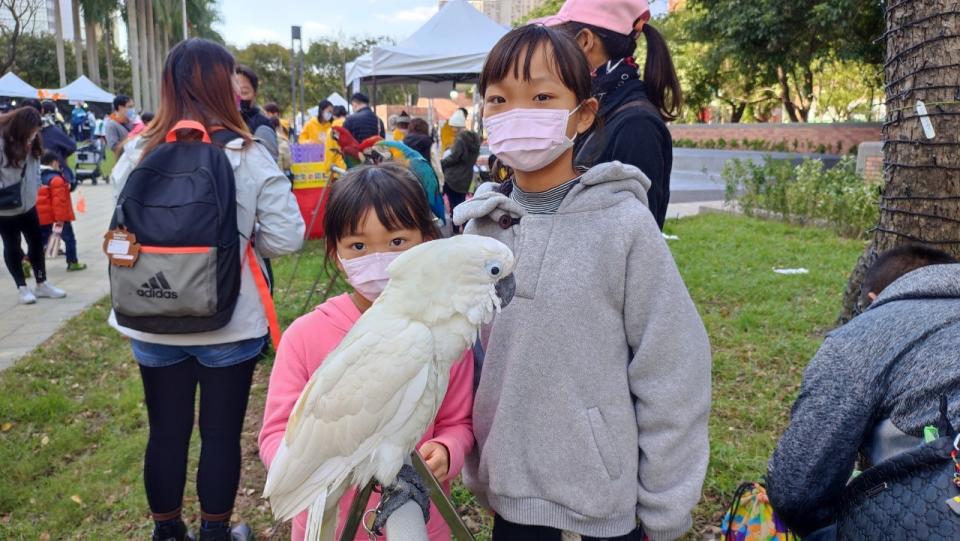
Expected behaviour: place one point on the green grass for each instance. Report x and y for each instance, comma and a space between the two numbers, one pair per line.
77, 424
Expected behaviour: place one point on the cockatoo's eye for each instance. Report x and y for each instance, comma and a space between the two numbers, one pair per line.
494, 269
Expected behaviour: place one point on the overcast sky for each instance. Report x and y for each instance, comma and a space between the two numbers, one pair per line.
248, 21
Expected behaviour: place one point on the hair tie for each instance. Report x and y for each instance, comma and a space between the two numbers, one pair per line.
641, 21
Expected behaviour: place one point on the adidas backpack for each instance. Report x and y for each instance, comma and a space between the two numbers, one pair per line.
180, 202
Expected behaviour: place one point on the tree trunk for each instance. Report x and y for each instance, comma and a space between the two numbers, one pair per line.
738, 110
152, 52
133, 50
91, 38
77, 43
785, 94
108, 56
921, 195
144, 55
61, 54
166, 44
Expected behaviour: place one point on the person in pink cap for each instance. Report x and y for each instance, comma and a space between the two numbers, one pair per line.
633, 111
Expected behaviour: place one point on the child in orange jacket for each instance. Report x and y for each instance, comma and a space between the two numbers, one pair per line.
55, 206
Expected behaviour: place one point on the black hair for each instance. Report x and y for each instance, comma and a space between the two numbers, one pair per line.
659, 74
339, 111
321, 106
361, 97
272, 107
250, 75
48, 107
147, 117
49, 157
16, 127
896, 262
390, 190
419, 125
514, 53
274, 123
32, 102
465, 112
119, 101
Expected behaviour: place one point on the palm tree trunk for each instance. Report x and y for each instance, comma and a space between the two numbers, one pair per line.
91, 39
133, 49
77, 43
61, 55
921, 195
166, 42
152, 51
144, 55
108, 54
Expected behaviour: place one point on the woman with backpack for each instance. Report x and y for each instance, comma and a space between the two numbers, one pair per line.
633, 111
20, 151
197, 87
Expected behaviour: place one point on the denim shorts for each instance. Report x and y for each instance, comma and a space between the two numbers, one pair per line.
215, 356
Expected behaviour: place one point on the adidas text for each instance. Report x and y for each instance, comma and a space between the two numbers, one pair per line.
157, 294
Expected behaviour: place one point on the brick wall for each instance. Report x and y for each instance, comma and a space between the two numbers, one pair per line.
807, 136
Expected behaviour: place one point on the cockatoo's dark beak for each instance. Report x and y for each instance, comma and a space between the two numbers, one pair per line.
505, 290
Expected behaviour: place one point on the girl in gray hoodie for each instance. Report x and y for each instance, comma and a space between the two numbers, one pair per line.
591, 412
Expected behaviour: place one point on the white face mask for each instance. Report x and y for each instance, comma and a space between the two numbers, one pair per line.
529, 139
327, 115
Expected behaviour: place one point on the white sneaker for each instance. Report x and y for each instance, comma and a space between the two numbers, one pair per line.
47, 290
26, 296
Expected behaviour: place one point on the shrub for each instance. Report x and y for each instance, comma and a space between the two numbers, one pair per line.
806, 193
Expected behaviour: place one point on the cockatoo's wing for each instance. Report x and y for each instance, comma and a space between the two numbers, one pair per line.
365, 388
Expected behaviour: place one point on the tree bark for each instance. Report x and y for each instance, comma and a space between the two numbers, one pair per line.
144, 55
738, 110
152, 52
785, 94
90, 35
77, 43
921, 196
61, 54
108, 56
133, 50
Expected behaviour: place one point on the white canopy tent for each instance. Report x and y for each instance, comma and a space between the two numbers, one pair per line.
83, 89
15, 87
451, 46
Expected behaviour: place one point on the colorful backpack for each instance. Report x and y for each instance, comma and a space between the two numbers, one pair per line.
750, 517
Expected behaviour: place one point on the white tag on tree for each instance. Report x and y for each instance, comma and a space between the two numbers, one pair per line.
925, 120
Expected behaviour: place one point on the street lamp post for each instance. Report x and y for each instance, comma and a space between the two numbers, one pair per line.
186, 33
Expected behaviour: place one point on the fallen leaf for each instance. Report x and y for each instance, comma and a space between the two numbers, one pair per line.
248, 491
76, 499
44, 441
5, 427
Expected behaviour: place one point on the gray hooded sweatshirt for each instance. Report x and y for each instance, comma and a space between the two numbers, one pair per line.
591, 410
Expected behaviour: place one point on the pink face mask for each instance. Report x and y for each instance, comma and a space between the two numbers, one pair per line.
529, 139
368, 274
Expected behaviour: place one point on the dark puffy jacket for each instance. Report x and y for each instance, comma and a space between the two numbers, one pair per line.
633, 133
363, 124
419, 142
458, 166
57, 141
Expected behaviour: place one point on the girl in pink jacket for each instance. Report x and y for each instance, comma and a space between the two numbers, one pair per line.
374, 214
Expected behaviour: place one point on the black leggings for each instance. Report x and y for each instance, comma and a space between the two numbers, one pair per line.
504, 530
170, 393
28, 225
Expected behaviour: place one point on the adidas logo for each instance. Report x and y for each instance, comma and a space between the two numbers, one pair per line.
157, 288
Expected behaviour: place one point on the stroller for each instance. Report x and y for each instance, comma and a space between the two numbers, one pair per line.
89, 156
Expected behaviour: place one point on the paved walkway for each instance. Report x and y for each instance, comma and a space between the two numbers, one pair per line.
22, 328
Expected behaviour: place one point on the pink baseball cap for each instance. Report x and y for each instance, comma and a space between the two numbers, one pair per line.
620, 16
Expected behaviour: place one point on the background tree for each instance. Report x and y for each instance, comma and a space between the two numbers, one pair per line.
133, 49
77, 40
61, 54
785, 43
921, 194
21, 14
92, 14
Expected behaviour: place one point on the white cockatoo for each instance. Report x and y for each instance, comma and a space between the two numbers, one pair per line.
366, 407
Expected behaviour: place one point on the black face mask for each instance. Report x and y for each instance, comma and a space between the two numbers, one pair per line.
246, 105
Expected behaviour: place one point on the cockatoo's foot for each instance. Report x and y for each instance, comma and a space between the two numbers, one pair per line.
408, 486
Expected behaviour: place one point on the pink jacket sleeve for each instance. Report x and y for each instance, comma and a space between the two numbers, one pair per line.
453, 426
287, 380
